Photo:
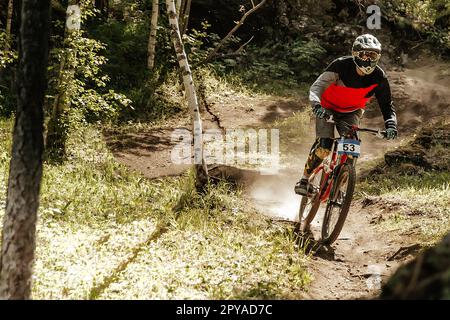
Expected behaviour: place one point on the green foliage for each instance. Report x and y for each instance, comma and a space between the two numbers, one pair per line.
305, 58
8, 58
290, 62
127, 67
80, 79
199, 43
429, 17
126, 54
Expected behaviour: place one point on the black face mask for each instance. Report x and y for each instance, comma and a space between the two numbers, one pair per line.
366, 66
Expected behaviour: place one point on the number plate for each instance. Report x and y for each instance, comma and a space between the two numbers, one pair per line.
349, 146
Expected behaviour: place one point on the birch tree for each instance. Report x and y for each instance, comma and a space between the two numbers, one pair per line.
9, 15
183, 8
19, 225
152, 37
185, 16
56, 131
178, 8
199, 160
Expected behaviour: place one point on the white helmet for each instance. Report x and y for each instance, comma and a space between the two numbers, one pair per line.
366, 52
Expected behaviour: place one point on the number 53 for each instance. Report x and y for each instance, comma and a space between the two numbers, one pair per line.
349, 147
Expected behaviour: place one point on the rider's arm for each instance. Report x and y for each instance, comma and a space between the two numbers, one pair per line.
383, 95
329, 76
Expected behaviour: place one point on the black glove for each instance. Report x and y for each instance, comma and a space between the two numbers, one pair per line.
391, 129
319, 111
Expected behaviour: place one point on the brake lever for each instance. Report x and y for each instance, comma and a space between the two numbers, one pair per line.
381, 134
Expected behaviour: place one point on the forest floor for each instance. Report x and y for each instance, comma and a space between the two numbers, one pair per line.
372, 243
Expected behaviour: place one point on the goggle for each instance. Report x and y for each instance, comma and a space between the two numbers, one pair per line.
368, 55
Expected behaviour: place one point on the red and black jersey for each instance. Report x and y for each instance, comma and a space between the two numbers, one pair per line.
342, 89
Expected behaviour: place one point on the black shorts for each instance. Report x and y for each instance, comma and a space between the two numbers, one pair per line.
343, 121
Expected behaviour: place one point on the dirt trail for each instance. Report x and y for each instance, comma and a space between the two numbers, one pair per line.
359, 260
357, 263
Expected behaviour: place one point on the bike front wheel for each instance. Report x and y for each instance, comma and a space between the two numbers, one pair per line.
310, 203
339, 203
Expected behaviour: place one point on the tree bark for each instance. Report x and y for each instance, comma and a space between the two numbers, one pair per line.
152, 37
9, 16
181, 6
178, 8
19, 226
186, 13
199, 160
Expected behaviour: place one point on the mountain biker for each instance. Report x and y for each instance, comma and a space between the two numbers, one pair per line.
342, 91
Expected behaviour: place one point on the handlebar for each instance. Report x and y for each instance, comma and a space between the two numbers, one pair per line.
376, 132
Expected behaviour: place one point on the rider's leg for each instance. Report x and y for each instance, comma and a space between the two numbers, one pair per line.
344, 120
319, 150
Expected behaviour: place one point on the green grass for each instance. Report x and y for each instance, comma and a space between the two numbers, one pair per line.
295, 130
419, 204
416, 198
105, 232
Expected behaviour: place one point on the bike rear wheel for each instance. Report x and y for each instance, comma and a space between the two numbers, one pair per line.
339, 203
310, 204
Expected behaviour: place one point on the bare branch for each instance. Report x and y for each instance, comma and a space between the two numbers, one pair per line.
232, 31
242, 47
236, 53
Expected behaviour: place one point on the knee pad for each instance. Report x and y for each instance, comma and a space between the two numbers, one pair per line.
321, 153
326, 143
323, 147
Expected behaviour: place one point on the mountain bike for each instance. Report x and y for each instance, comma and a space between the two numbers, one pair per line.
333, 183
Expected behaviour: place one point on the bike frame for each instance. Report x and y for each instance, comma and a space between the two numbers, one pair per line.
326, 188
328, 169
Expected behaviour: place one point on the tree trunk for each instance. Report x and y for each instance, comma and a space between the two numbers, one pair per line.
178, 8
9, 23
185, 17
19, 226
57, 124
9, 17
152, 37
199, 160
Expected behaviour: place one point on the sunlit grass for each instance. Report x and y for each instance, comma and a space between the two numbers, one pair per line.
96, 234
418, 203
